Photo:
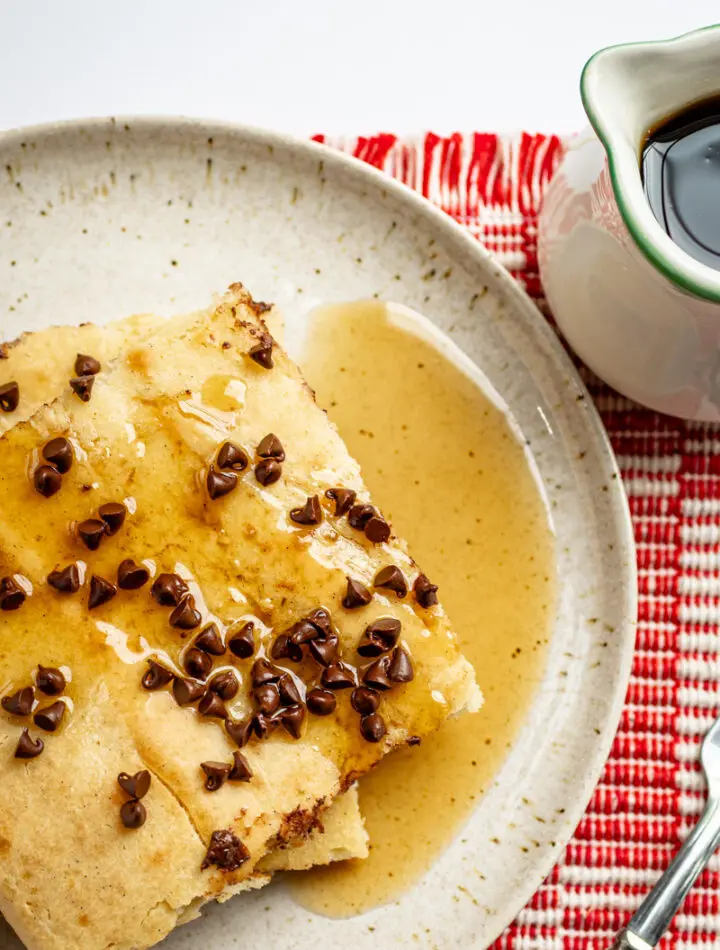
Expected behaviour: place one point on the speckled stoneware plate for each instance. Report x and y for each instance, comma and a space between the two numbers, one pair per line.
99, 219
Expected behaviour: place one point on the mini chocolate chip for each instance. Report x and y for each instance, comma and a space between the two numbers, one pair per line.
86, 365
211, 705
303, 632
132, 576
49, 680
225, 684
58, 452
187, 691
82, 386
47, 480
425, 592
268, 471
325, 651
292, 720
356, 595
289, 693
27, 747
267, 698
377, 530
226, 852
91, 532
359, 515
240, 771
239, 730
414, 740
156, 676
133, 814
242, 643
372, 727
392, 578
263, 671
282, 648
168, 589
321, 702
364, 700
338, 676
320, 618
101, 591
219, 483
262, 352
50, 717
210, 641
9, 397
186, 616
309, 514
344, 499
376, 676
12, 596
217, 774
380, 636
401, 668
232, 456
20, 703
66, 580
113, 514
197, 664
263, 726
137, 785
271, 448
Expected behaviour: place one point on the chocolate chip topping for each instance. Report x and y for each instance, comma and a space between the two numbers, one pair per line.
225, 684
309, 514
9, 396
66, 580
132, 576
344, 499
267, 698
27, 747
168, 589
20, 703
289, 693
321, 702
156, 676
137, 785
372, 727
240, 771
320, 619
268, 471
262, 352
232, 456
82, 386
356, 595
49, 680
303, 632
50, 717
219, 483
217, 774
271, 448
101, 591
263, 725
47, 480
376, 674
86, 365
380, 636
263, 671
283, 648
186, 616
425, 592
377, 530
133, 814
210, 641
401, 668
242, 643
113, 514
338, 676
187, 691
226, 852
364, 700
392, 578
12, 596
211, 705
58, 452
325, 651
414, 740
359, 515
197, 664
91, 532
292, 720
239, 730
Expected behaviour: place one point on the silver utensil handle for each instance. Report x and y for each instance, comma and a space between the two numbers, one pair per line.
653, 917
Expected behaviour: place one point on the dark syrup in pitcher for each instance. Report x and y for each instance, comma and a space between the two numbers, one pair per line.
681, 178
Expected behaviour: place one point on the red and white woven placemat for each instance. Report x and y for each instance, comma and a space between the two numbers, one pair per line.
651, 790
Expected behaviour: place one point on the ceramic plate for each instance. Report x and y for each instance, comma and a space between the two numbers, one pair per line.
112, 217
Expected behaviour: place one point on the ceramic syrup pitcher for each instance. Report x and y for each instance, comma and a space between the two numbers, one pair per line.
641, 312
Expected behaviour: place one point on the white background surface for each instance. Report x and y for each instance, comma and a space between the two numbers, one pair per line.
303, 66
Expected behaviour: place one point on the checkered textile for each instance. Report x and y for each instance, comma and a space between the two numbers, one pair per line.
651, 790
